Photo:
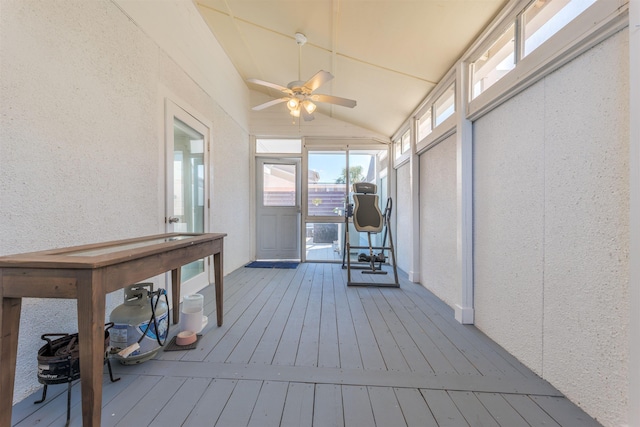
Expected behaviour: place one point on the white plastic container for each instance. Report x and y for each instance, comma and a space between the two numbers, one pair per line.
192, 318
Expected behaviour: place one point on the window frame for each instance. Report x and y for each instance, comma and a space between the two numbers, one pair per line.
448, 126
595, 24
400, 157
512, 28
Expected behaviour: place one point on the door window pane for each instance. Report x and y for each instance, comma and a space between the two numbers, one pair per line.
327, 183
365, 166
188, 186
279, 184
324, 241
362, 166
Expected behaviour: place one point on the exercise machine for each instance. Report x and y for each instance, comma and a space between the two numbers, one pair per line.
367, 218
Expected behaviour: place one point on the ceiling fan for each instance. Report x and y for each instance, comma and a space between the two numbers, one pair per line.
299, 95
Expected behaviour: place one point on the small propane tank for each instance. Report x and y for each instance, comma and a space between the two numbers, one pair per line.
130, 321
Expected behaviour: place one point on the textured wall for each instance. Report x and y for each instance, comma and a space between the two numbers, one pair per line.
508, 224
230, 183
81, 144
402, 206
551, 228
231, 191
438, 252
586, 304
180, 31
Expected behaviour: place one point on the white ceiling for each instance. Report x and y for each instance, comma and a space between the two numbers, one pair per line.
386, 54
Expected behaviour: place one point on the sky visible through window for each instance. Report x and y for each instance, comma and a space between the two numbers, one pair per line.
330, 166
555, 23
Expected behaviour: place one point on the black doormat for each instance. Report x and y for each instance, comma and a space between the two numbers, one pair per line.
172, 346
273, 264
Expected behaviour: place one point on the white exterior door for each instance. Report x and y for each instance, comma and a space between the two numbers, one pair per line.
187, 192
278, 208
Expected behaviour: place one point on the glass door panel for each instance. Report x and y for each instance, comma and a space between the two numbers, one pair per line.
279, 184
327, 183
331, 174
364, 166
188, 187
326, 193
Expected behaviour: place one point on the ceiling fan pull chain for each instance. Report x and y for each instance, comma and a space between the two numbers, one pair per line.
299, 61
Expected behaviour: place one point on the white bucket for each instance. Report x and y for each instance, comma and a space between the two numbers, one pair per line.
192, 318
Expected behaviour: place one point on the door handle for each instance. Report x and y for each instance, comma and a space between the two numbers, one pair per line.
173, 219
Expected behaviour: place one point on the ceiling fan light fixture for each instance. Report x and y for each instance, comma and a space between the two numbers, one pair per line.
293, 104
309, 106
295, 113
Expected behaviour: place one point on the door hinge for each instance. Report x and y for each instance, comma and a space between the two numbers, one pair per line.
208, 145
208, 260
208, 203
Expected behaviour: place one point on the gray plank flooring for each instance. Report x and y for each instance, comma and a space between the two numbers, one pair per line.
300, 348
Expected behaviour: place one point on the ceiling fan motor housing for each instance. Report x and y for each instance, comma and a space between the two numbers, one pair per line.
301, 39
298, 88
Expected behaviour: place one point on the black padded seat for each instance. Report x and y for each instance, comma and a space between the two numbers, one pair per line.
367, 216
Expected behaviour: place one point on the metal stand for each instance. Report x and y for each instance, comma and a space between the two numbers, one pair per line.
61, 361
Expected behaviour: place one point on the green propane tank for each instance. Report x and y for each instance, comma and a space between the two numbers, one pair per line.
133, 324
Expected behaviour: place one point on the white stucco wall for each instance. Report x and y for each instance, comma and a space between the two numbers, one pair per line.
402, 207
81, 144
509, 179
438, 220
180, 31
552, 229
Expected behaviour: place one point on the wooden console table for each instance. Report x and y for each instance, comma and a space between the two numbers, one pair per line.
87, 273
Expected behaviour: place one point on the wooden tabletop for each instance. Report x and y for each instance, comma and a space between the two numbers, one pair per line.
98, 255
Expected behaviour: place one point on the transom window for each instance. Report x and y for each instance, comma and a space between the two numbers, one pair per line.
537, 23
494, 63
279, 146
445, 105
542, 19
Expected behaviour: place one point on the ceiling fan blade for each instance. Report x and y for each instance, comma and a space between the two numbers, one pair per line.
269, 104
334, 100
271, 85
320, 78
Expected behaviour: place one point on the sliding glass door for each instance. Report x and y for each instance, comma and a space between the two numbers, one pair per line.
330, 175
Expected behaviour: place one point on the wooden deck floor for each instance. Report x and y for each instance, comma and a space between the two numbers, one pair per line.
300, 348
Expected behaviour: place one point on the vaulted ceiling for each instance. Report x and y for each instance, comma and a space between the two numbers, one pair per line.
386, 54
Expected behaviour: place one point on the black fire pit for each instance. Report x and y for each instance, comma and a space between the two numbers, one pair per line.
59, 362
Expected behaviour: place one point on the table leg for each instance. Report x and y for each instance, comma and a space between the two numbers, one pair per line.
9, 324
218, 275
91, 315
175, 294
